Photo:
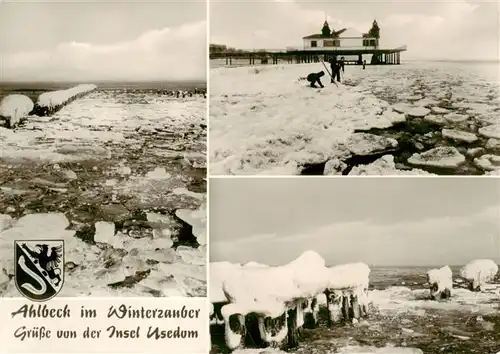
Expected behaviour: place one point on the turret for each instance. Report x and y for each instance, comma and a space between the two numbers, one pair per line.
325, 31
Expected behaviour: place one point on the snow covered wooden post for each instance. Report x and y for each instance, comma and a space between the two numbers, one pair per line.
234, 327
347, 291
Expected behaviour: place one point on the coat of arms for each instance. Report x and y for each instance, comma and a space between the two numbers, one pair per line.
39, 268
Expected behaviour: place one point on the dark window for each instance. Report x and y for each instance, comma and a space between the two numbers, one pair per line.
314, 44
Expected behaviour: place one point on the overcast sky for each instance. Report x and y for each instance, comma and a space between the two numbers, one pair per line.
380, 221
111, 40
440, 29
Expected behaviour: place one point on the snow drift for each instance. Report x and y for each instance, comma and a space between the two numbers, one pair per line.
13, 108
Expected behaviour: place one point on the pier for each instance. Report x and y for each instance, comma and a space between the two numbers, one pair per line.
326, 45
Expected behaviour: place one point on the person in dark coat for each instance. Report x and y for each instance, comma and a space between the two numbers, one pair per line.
314, 78
364, 64
334, 67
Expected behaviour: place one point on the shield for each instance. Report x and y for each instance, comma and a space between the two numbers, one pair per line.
39, 268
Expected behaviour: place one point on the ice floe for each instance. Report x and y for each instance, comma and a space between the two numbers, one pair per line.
443, 156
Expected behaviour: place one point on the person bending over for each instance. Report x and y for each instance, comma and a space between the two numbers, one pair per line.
314, 78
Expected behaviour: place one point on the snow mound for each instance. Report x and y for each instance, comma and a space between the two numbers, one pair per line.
15, 107
443, 156
60, 97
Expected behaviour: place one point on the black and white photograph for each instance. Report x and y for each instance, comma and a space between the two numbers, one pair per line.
103, 148
371, 87
354, 265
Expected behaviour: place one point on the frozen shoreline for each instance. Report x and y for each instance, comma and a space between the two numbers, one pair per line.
264, 121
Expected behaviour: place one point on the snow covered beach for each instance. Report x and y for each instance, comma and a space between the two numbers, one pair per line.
120, 176
402, 319
413, 119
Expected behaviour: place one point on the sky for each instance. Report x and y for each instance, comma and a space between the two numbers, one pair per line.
108, 40
441, 29
379, 221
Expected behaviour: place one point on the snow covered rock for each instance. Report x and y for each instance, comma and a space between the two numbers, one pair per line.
441, 282
442, 156
478, 273
459, 135
13, 108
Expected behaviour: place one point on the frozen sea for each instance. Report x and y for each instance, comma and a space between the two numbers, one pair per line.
415, 118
